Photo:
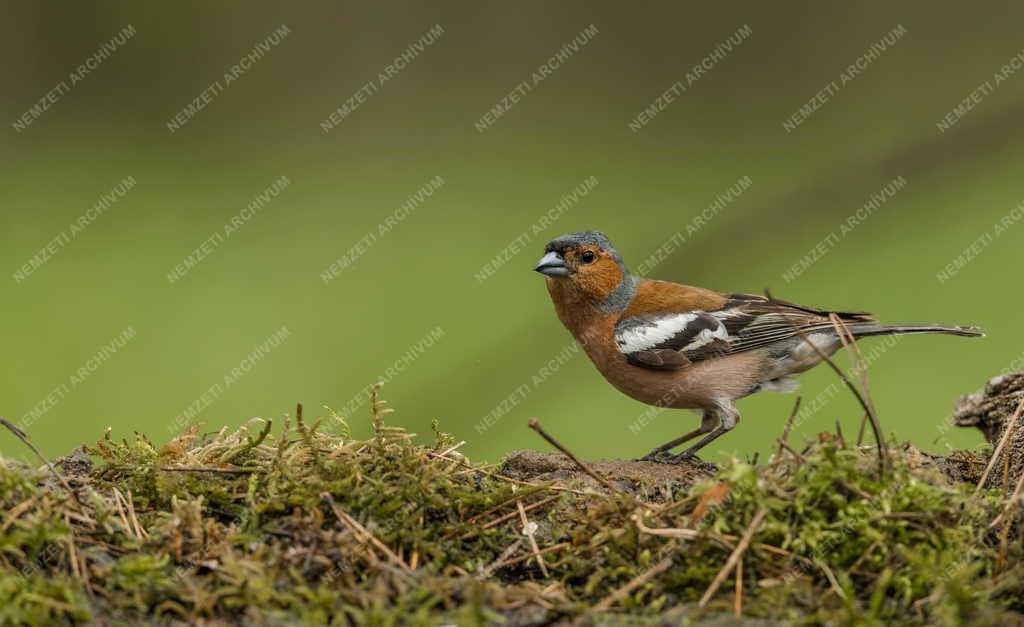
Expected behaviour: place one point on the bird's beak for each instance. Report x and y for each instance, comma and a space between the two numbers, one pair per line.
552, 264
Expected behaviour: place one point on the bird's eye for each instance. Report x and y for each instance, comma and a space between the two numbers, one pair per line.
588, 257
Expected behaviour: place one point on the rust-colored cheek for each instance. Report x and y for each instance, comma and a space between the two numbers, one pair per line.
599, 280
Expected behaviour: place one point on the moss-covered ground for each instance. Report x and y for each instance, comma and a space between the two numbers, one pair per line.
294, 523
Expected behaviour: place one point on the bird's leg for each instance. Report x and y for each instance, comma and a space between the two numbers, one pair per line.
708, 421
729, 417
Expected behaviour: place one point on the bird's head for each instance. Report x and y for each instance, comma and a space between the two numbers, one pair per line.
584, 266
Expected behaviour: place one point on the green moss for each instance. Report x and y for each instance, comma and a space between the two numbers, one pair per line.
38, 599
305, 526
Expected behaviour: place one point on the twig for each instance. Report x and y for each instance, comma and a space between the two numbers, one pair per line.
737, 605
229, 471
856, 490
863, 556
499, 506
21, 435
535, 425
771, 548
79, 565
604, 604
668, 507
18, 510
501, 477
1013, 499
792, 451
850, 344
127, 514
1006, 474
875, 426
76, 569
510, 516
999, 448
789, 424
1004, 538
500, 519
452, 449
860, 431
130, 502
736, 554
831, 576
724, 539
523, 558
361, 532
530, 528
121, 512
667, 532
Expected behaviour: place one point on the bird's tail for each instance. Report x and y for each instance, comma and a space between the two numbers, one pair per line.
869, 329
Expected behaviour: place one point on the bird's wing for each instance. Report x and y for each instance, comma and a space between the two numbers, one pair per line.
670, 340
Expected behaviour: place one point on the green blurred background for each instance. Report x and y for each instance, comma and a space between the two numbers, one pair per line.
498, 333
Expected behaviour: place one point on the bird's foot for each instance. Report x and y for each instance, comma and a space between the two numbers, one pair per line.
686, 457
664, 457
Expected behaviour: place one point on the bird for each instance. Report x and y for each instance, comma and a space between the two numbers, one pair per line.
685, 347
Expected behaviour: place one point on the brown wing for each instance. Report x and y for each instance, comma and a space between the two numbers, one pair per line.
672, 339
757, 321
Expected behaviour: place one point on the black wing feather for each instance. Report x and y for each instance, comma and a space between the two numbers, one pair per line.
746, 322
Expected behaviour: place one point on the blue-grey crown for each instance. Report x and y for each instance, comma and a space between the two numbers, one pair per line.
583, 238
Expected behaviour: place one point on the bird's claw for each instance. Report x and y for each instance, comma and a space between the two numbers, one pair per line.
686, 457
664, 457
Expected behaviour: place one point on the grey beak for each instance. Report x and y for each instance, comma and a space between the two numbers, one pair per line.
552, 264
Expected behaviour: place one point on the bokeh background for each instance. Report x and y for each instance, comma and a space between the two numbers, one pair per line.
498, 183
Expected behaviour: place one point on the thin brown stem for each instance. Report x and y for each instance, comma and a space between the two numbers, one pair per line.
21, 435
789, 423
535, 425
875, 426
734, 557
1010, 428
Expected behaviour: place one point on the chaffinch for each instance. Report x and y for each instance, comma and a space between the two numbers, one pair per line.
685, 347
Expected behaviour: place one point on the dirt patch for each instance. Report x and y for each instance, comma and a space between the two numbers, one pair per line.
649, 480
